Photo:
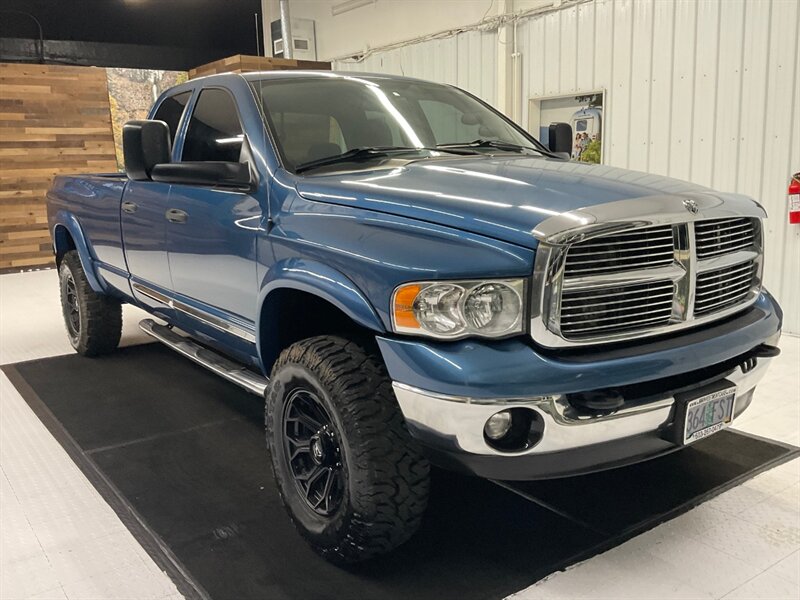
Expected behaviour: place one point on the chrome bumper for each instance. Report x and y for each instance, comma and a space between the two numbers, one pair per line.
459, 421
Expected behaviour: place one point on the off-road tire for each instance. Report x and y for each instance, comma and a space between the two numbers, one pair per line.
386, 477
99, 317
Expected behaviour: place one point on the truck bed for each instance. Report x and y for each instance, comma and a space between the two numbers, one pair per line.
92, 202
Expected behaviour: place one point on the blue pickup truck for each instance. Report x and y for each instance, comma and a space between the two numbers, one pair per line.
409, 278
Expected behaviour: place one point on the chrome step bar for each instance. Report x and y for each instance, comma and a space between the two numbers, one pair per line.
222, 366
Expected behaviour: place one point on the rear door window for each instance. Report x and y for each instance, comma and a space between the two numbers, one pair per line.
171, 110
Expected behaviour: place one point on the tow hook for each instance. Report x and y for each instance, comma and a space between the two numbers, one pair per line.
597, 401
765, 351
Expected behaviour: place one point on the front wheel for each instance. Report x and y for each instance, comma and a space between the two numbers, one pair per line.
352, 479
93, 321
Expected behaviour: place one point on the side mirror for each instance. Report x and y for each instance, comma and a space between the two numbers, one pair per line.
207, 173
144, 145
560, 138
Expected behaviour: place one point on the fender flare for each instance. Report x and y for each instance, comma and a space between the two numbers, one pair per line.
324, 282
70, 223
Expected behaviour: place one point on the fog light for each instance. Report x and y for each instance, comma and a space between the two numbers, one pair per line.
497, 425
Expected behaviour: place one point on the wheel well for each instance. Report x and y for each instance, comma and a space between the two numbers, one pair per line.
63, 242
289, 315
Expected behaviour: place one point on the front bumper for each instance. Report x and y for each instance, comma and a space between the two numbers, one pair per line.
451, 430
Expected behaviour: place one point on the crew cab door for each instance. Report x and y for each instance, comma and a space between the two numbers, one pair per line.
142, 217
211, 232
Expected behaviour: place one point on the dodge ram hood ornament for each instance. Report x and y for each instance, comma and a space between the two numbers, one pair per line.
691, 206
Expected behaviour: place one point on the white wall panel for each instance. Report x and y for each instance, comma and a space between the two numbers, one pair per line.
782, 130
705, 87
585, 58
728, 103
663, 42
468, 60
641, 85
683, 63
568, 50
706, 90
703, 90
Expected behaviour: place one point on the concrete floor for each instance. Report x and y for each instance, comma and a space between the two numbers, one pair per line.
61, 540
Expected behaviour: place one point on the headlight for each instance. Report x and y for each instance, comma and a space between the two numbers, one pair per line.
455, 309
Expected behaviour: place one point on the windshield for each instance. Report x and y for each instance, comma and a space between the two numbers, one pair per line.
318, 117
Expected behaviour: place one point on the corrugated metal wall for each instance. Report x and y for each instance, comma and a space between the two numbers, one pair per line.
706, 90
468, 60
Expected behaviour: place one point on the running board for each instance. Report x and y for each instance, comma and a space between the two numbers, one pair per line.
222, 366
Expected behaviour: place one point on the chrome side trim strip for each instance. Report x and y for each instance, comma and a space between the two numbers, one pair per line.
224, 367
200, 315
152, 294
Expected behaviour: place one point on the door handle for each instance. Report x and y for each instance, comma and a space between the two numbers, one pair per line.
176, 216
130, 207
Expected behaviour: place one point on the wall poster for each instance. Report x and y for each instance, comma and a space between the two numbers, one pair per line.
584, 113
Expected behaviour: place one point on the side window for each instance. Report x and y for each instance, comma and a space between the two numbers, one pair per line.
449, 125
170, 112
214, 131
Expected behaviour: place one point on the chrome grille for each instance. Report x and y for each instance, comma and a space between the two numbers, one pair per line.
646, 247
723, 287
722, 236
588, 313
646, 280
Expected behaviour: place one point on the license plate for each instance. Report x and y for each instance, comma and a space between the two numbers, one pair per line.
708, 414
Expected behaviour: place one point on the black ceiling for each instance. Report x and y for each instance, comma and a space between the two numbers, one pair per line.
205, 28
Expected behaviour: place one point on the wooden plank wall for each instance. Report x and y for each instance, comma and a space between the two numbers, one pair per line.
242, 63
53, 119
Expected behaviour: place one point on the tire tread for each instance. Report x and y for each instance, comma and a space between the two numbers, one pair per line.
101, 315
393, 484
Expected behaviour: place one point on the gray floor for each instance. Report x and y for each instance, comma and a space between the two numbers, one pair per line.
61, 540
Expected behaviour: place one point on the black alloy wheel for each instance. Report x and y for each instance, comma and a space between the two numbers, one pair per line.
311, 446
72, 313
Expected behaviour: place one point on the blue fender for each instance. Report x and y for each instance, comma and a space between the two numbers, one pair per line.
68, 221
322, 281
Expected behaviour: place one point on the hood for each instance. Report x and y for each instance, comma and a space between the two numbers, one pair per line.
500, 197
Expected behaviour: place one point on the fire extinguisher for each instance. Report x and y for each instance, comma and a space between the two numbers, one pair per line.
794, 200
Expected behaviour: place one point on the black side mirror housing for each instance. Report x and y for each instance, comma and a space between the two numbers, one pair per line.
144, 145
560, 138
207, 173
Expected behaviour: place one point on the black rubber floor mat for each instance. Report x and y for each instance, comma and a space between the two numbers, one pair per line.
180, 455
624, 502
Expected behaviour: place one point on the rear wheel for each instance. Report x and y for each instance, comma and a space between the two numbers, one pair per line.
352, 479
93, 321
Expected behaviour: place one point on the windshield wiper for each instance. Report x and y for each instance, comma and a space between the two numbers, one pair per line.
368, 152
499, 144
